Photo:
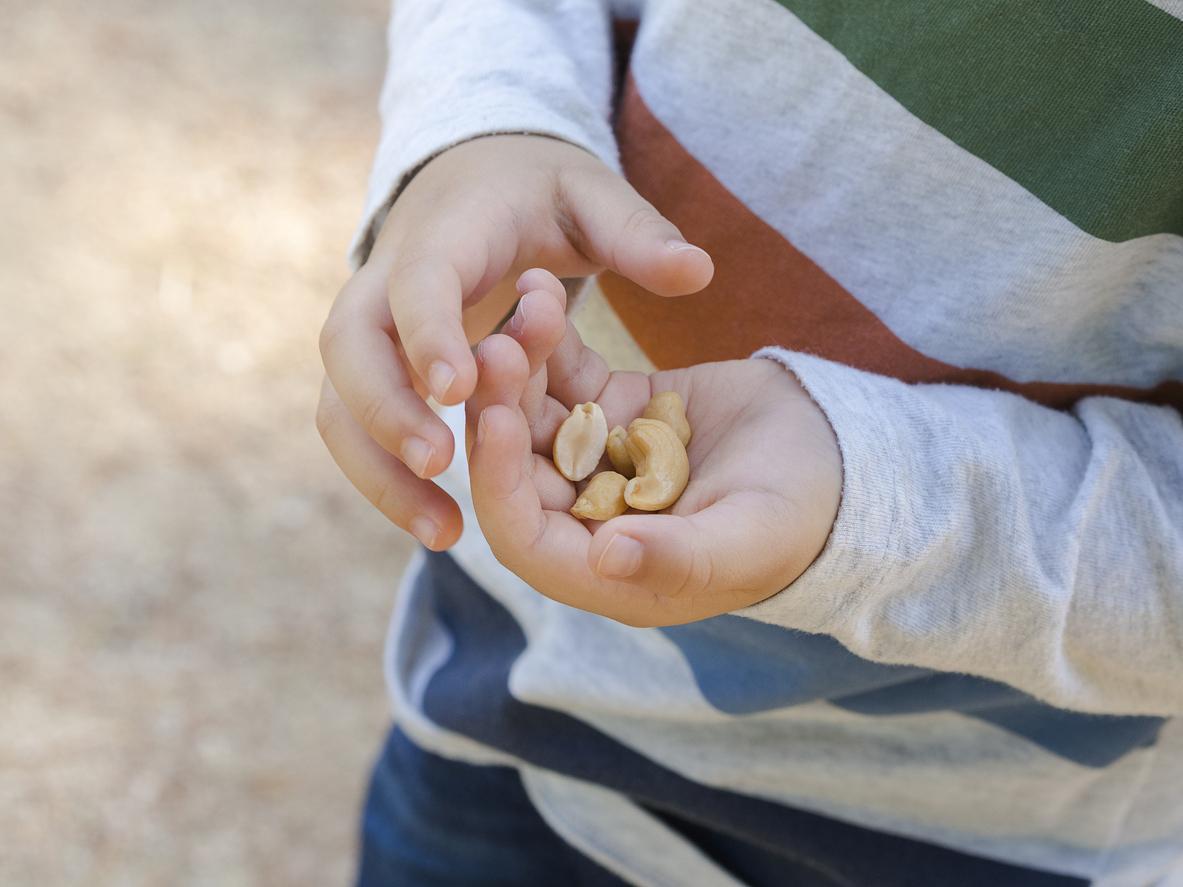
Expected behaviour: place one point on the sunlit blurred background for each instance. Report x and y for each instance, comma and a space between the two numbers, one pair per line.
192, 600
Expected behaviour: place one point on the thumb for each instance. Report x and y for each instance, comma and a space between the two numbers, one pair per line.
728, 549
617, 228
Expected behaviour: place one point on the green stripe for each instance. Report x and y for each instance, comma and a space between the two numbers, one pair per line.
1079, 101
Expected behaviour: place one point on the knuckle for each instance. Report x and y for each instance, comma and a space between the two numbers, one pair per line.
390, 498
327, 417
415, 332
378, 419
634, 228
333, 333
639, 221
417, 264
330, 333
410, 261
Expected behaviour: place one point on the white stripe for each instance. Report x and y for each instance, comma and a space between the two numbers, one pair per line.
619, 835
957, 259
415, 648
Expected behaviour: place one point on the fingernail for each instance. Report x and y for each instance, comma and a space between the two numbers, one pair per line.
621, 558
440, 376
518, 321
416, 453
679, 246
480, 428
425, 530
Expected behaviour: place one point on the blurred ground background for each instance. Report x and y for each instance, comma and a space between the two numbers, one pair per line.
192, 600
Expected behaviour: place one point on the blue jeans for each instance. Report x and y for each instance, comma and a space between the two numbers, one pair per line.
433, 822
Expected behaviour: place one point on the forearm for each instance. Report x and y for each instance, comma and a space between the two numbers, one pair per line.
982, 533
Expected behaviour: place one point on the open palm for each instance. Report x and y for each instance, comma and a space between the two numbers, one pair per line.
765, 476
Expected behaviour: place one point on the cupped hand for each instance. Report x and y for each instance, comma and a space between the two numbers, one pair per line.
765, 478
466, 224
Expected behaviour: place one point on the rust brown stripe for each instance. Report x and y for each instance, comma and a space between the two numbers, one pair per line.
624, 34
767, 292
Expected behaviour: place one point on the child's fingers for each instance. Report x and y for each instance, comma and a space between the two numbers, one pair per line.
541, 279
503, 494
503, 378
575, 373
371, 380
555, 492
504, 371
544, 415
538, 326
539, 407
432, 270
620, 230
417, 506
425, 302
548, 549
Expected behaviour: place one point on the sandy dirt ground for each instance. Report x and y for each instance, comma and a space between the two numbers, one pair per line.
192, 600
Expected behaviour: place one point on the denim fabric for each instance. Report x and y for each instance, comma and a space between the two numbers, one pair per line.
433, 822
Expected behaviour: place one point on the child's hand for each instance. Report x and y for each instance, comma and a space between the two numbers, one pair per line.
472, 216
765, 478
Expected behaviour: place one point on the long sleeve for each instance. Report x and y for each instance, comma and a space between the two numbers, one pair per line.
459, 69
985, 534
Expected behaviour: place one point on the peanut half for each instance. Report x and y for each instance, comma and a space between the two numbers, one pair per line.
580, 441
668, 407
603, 499
663, 469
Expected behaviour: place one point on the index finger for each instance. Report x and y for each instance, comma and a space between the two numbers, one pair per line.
425, 301
434, 271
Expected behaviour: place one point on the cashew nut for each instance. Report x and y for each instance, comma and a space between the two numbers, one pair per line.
603, 498
663, 469
618, 452
580, 441
668, 407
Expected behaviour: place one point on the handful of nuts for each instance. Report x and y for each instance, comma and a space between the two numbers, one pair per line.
650, 462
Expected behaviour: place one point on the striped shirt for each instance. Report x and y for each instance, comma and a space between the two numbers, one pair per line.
961, 226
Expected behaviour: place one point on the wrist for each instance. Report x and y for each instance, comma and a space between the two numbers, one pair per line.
811, 440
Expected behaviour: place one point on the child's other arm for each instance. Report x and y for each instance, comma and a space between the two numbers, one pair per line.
467, 212
982, 533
